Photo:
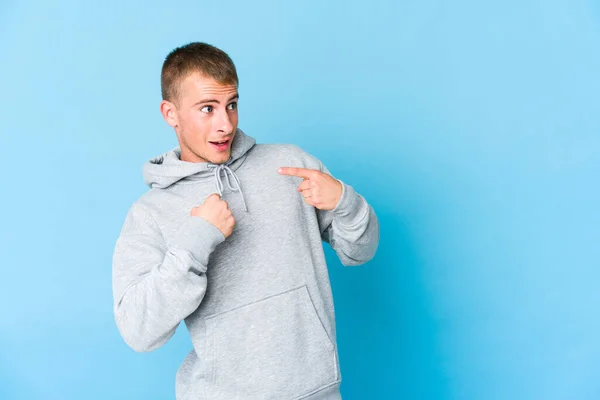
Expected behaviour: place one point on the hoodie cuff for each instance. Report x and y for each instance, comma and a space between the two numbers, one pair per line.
199, 238
351, 205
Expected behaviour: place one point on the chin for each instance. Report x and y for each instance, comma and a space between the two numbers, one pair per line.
221, 158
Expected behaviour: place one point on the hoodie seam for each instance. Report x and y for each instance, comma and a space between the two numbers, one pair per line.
162, 236
167, 249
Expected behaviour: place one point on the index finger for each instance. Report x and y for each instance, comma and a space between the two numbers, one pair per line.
301, 172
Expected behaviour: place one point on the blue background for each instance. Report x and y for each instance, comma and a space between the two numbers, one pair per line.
471, 127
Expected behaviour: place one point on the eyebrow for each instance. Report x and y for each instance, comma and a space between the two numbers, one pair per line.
236, 96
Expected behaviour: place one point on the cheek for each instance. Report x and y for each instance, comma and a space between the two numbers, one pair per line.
234, 118
197, 126
184, 121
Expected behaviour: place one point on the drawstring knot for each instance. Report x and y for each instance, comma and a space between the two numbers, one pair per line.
219, 183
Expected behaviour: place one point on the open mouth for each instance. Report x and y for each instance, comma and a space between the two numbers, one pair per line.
223, 145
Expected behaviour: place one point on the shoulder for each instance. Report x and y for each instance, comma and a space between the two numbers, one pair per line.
143, 209
291, 153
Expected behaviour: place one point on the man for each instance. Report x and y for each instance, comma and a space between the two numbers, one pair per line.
231, 243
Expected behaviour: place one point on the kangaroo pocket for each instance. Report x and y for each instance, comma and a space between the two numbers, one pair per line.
275, 348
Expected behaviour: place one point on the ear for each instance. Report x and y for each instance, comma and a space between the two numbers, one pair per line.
169, 113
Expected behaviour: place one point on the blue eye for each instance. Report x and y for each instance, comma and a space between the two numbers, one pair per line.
207, 107
232, 106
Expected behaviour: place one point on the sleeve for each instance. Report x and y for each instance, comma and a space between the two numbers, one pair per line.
351, 228
155, 287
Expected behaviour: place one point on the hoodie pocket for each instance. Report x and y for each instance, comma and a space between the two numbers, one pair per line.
275, 348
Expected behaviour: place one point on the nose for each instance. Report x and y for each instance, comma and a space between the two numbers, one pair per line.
224, 124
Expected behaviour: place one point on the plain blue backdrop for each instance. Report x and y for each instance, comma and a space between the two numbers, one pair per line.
473, 128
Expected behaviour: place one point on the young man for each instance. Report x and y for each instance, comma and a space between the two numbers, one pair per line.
231, 243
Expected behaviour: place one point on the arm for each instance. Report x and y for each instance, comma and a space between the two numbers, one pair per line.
351, 228
156, 287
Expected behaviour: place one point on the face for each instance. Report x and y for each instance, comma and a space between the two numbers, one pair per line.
204, 115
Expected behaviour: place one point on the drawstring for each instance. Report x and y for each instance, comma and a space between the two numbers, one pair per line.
219, 183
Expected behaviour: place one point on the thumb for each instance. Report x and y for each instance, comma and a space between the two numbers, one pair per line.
215, 196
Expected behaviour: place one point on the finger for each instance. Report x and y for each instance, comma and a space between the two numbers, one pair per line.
307, 194
300, 172
309, 201
305, 185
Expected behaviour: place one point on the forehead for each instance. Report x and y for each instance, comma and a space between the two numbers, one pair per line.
196, 86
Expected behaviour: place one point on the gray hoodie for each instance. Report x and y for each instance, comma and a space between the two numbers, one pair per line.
258, 305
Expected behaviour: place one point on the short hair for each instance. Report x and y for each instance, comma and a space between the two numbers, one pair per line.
203, 58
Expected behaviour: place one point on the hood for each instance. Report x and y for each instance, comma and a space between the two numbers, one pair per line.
164, 170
